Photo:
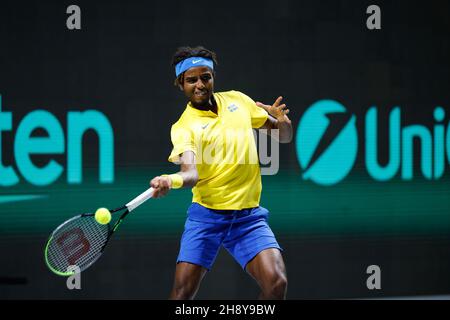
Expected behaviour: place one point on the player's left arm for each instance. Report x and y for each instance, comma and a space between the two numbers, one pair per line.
278, 119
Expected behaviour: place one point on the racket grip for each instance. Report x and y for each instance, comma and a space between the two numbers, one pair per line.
140, 199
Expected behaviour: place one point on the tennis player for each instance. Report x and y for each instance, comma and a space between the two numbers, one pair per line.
225, 206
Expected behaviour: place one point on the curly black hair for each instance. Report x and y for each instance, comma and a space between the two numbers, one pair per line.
187, 52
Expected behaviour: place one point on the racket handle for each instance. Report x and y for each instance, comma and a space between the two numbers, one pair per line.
140, 199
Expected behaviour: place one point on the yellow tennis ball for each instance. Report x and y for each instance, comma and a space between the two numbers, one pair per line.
102, 216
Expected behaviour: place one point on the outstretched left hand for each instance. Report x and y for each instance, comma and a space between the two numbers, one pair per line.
276, 110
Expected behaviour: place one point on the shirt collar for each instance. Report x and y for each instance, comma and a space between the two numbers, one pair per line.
203, 113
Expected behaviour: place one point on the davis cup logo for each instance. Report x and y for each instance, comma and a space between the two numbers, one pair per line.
326, 142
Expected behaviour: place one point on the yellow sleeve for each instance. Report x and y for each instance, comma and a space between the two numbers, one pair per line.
182, 140
258, 115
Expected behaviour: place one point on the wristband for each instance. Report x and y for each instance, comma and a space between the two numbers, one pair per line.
177, 180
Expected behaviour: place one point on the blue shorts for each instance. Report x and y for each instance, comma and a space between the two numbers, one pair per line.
244, 233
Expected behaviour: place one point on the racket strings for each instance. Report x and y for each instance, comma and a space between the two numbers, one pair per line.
79, 242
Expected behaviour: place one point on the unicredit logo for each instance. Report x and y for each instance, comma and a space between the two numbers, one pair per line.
327, 145
327, 142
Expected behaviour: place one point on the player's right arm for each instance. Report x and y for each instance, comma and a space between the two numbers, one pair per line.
188, 172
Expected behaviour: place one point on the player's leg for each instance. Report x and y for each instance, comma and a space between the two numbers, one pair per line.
199, 246
187, 281
254, 246
269, 271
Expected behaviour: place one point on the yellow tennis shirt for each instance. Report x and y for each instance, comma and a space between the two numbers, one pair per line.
226, 155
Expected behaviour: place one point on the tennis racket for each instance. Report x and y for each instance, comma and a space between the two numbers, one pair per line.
81, 240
